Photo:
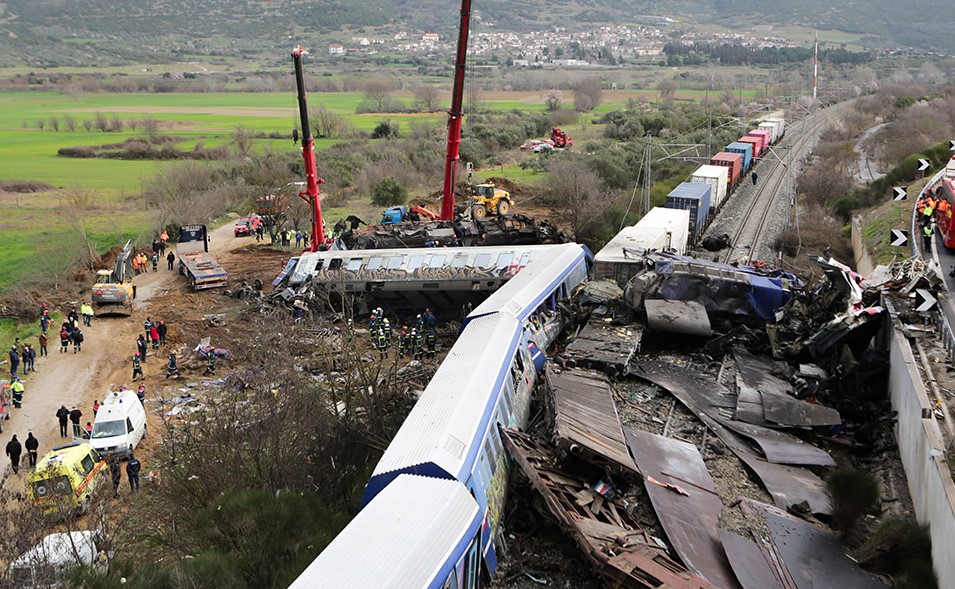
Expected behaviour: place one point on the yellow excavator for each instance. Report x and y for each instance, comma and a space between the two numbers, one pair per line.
488, 200
113, 291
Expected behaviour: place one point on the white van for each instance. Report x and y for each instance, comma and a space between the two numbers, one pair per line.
44, 564
120, 424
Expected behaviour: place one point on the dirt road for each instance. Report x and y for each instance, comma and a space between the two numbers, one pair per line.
77, 379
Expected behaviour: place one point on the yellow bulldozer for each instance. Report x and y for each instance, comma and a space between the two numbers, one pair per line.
488, 200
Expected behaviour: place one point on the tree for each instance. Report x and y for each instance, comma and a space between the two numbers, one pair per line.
588, 94
385, 130
378, 93
426, 98
577, 193
389, 192
553, 98
102, 123
327, 123
666, 88
241, 141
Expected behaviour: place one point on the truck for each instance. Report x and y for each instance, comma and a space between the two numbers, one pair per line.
113, 291
393, 215
195, 263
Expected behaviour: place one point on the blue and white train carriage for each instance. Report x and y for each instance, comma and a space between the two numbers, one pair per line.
451, 435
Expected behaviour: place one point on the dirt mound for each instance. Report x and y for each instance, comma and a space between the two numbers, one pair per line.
505, 184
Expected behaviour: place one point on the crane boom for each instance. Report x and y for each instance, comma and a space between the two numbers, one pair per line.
310, 194
455, 114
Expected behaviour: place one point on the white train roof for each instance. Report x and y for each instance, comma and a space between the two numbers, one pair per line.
442, 427
411, 530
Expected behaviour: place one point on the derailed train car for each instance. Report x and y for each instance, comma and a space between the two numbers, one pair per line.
447, 463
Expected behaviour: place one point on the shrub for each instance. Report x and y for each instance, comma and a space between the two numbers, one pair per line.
389, 192
852, 493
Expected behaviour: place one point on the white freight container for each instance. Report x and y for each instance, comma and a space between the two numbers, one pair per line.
782, 125
773, 128
716, 177
661, 229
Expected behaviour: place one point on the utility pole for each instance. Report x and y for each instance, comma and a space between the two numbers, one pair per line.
815, 67
647, 164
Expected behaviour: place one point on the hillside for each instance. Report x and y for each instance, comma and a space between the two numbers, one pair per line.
92, 32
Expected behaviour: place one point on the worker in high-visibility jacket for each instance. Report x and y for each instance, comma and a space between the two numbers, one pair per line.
927, 233
16, 391
386, 327
417, 344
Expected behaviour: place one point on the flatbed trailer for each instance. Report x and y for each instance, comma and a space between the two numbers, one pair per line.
195, 262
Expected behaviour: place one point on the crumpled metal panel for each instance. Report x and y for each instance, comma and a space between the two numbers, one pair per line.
608, 535
691, 521
682, 317
780, 447
786, 410
815, 557
586, 419
750, 564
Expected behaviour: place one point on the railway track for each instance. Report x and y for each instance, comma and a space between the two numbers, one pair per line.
751, 223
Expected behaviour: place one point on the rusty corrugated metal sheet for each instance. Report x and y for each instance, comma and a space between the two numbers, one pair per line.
754, 566
691, 521
586, 419
609, 536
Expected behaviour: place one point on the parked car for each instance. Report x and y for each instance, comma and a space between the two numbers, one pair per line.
120, 424
44, 565
242, 228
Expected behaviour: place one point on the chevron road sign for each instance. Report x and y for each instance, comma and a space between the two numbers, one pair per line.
898, 238
924, 301
900, 193
952, 143
923, 165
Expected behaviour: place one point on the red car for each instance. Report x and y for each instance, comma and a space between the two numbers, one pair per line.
243, 227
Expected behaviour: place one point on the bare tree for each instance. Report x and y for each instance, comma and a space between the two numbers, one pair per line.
102, 123
588, 94
241, 141
70, 123
666, 88
88, 125
553, 98
55, 124
378, 93
117, 124
577, 193
426, 98
327, 123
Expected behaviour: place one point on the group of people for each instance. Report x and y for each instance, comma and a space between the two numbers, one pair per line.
420, 342
154, 335
929, 207
285, 237
70, 332
14, 451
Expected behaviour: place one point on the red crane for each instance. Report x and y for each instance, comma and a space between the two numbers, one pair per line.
455, 114
310, 194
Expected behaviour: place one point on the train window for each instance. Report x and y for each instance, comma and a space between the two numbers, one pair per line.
504, 260
452, 582
472, 576
415, 262
436, 261
335, 264
394, 262
373, 264
482, 260
354, 264
489, 451
459, 261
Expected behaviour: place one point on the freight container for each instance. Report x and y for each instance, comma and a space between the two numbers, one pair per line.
781, 126
773, 128
766, 135
717, 178
694, 198
732, 161
763, 138
757, 144
745, 150
661, 230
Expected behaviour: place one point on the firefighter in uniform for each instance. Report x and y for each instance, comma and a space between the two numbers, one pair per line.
382, 344
403, 342
17, 393
386, 327
431, 340
211, 366
417, 341
137, 369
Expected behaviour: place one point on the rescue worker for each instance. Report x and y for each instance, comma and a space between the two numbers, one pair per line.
137, 369
162, 329
72, 318
170, 258
75, 416
211, 358
43, 342
95, 408
87, 312
64, 340
417, 343
14, 449
29, 358
142, 347
62, 415
373, 324
141, 394
32, 445
431, 341
116, 473
386, 327
430, 321
419, 323
382, 343
403, 342
927, 232
14, 361
147, 327
172, 368
76, 336
17, 390
154, 335
132, 473
755, 177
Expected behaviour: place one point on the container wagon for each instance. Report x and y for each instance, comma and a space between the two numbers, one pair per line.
773, 128
661, 229
757, 144
780, 126
717, 178
732, 161
745, 150
766, 135
696, 199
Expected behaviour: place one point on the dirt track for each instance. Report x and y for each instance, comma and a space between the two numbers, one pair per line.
77, 379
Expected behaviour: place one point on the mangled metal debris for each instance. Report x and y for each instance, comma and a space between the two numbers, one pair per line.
618, 548
681, 317
586, 420
603, 346
690, 519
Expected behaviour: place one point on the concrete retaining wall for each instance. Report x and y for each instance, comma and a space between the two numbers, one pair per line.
862, 261
923, 456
